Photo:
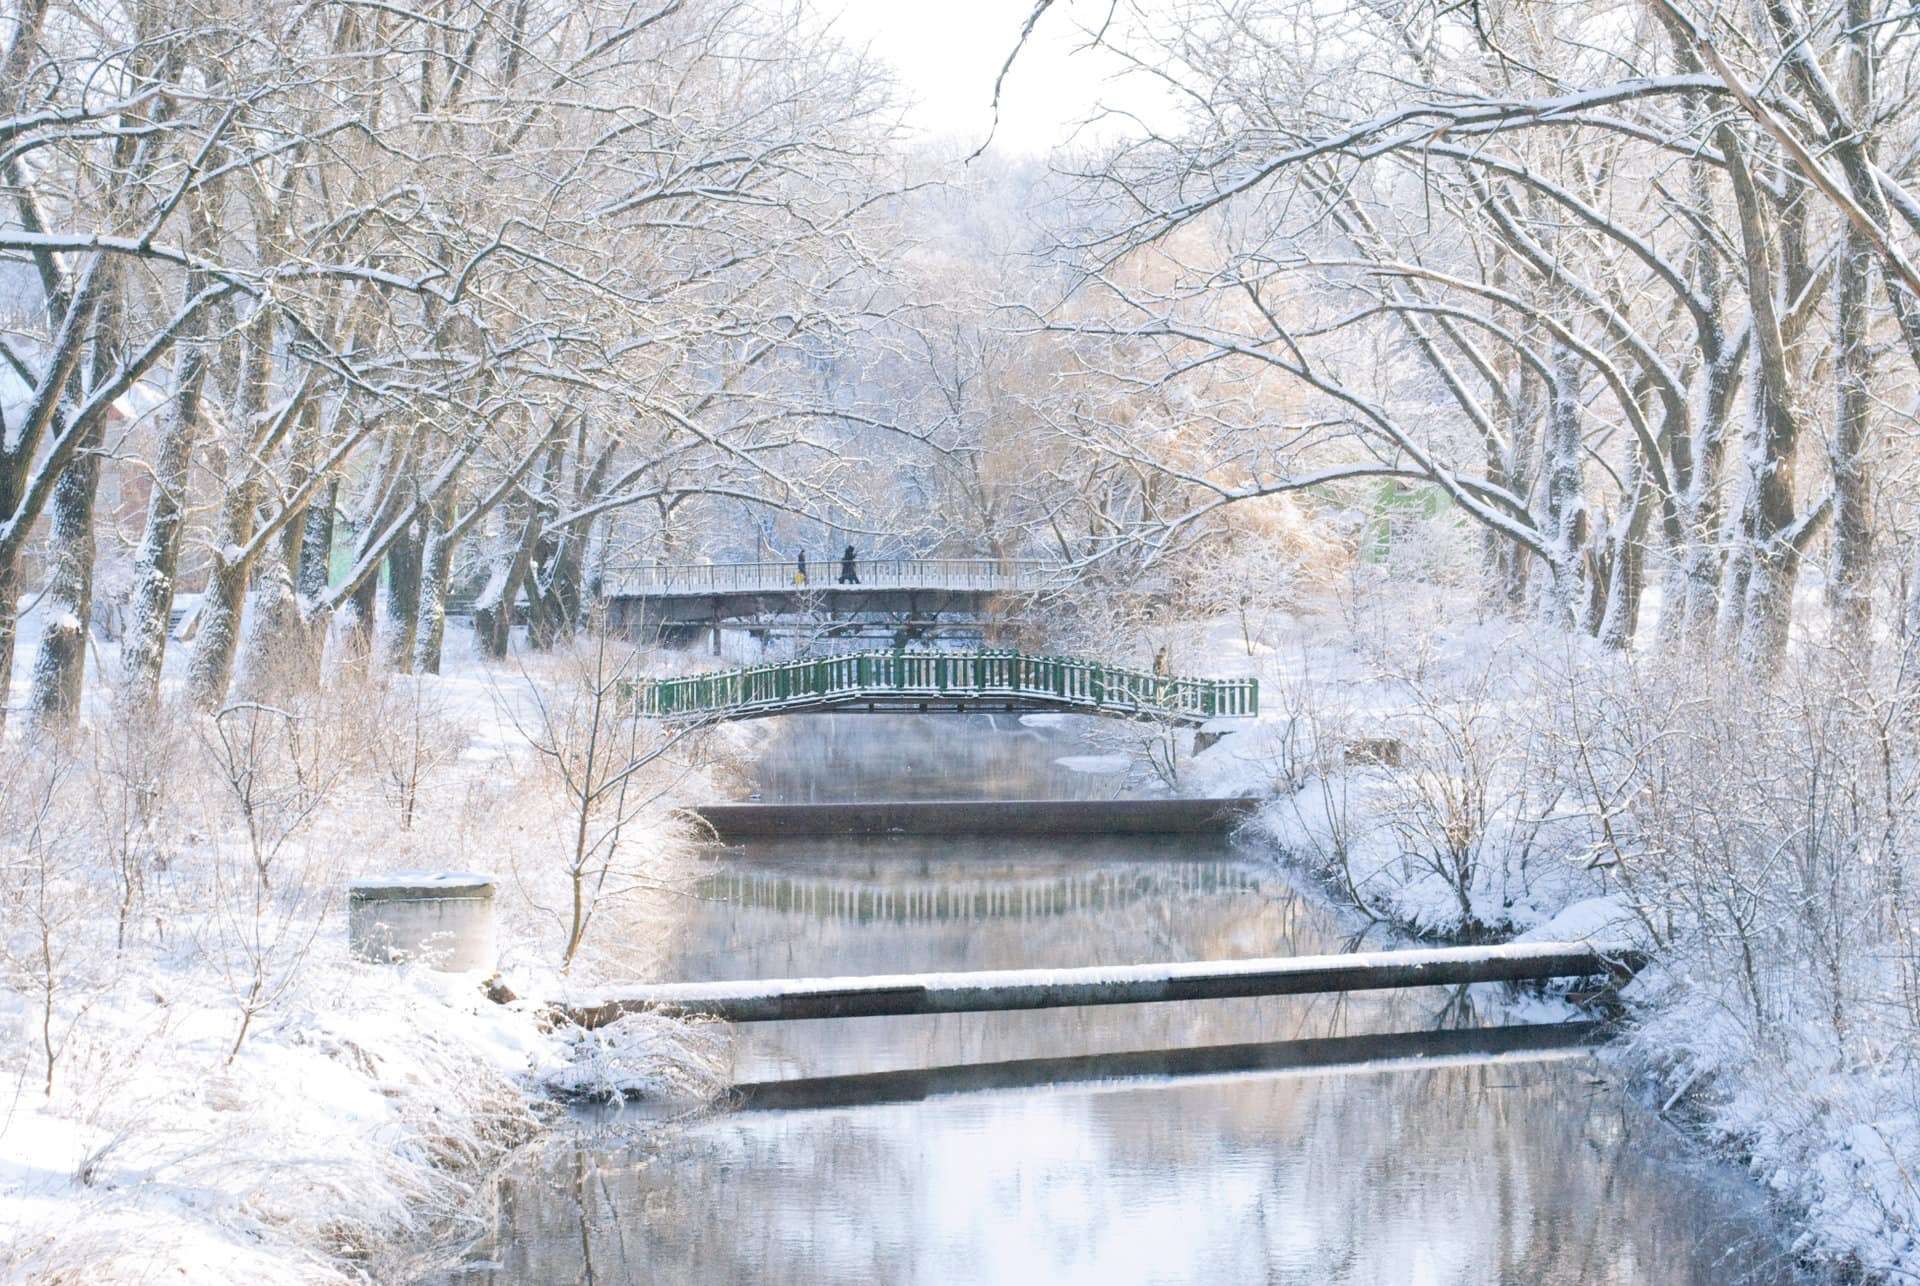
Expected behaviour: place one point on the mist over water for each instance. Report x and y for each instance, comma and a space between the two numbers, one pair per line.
1465, 1156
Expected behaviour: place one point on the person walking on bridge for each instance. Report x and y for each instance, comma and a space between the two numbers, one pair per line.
800, 572
848, 573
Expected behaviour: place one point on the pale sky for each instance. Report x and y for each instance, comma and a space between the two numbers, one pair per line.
947, 52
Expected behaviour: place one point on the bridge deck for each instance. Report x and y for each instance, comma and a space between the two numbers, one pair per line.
978, 680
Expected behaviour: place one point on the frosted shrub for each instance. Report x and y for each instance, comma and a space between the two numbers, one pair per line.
645, 1055
1258, 568
55, 930
416, 740
274, 768
1305, 760
131, 765
1764, 836
603, 772
1465, 800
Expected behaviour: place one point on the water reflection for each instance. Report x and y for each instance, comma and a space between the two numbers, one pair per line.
830, 758
1333, 1055
1283, 1139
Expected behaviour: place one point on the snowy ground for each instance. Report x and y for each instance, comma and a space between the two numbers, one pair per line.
365, 1104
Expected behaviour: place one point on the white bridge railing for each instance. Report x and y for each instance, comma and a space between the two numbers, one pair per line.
992, 575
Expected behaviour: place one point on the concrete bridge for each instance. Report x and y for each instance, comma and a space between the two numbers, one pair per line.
919, 591
893, 682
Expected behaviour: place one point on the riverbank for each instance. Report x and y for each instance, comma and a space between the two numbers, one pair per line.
202, 1083
1468, 779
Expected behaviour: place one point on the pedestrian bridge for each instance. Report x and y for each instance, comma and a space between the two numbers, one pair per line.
947, 681
647, 596
994, 575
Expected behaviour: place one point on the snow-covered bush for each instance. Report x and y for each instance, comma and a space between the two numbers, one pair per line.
1415, 772
644, 1056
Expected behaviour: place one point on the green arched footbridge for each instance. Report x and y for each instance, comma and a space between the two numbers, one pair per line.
947, 681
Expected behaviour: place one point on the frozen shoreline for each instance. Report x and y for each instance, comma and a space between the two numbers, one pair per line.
345, 1118
1834, 1146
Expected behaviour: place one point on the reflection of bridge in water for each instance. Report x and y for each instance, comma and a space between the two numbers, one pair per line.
997, 896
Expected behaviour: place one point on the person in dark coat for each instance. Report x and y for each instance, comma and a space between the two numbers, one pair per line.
848, 576
800, 575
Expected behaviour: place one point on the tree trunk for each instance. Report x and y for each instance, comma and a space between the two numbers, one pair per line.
157, 564
1695, 603
1627, 573
436, 566
512, 554
1848, 588
9, 621
279, 656
1766, 550
1565, 522
59, 670
217, 638
210, 671
316, 543
404, 575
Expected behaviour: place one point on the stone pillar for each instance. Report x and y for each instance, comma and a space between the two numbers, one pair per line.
443, 919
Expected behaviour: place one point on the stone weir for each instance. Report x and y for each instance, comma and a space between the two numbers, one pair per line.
732, 822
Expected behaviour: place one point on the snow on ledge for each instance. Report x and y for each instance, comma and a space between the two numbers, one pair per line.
424, 881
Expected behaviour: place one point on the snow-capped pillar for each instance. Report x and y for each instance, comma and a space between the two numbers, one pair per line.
443, 919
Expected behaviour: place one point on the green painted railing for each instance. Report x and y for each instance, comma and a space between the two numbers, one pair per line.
1048, 682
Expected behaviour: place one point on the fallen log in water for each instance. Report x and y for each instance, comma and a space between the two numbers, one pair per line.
785, 999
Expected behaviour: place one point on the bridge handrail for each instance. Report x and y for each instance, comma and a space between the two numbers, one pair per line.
928, 573
986, 673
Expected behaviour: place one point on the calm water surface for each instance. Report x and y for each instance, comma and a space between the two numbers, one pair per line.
1393, 1137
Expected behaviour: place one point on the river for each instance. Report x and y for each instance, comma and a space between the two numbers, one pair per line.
1388, 1137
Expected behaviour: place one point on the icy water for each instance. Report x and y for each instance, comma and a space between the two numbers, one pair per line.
1413, 1137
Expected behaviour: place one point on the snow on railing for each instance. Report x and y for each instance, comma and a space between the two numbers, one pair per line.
1046, 681
991, 574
